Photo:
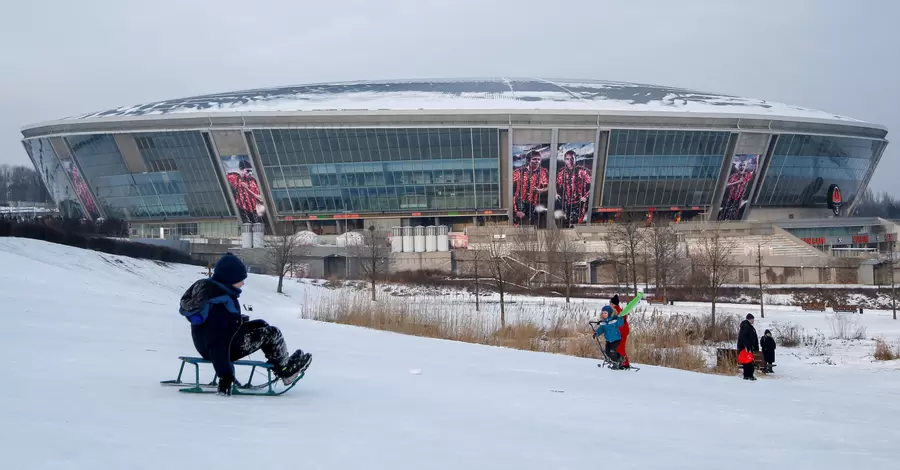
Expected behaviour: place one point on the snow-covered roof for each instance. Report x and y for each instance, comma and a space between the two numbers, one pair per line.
487, 95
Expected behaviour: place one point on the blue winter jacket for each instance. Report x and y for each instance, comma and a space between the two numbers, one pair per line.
610, 328
213, 310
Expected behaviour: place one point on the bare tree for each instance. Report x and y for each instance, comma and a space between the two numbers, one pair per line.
284, 252
624, 242
477, 258
666, 256
759, 274
22, 183
563, 252
530, 254
713, 263
499, 249
373, 255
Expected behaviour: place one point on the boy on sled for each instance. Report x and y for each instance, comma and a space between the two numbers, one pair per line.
221, 334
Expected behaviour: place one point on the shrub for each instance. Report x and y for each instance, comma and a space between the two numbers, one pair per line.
788, 335
846, 326
817, 343
884, 351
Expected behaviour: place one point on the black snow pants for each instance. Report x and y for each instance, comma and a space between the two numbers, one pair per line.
255, 335
748, 370
611, 347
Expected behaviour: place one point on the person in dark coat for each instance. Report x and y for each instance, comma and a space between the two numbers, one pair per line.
768, 349
748, 339
221, 334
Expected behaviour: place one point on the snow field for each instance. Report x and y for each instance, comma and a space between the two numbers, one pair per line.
90, 335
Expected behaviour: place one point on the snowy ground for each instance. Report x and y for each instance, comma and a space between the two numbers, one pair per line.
90, 335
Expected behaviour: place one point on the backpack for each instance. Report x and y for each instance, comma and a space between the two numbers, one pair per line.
195, 306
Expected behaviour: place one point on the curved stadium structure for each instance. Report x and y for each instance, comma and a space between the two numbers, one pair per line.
533, 151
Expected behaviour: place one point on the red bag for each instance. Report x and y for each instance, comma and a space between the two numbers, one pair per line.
745, 357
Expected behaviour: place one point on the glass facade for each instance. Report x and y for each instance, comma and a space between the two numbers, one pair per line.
375, 170
182, 175
55, 178
802, 168
663, 168
179, 181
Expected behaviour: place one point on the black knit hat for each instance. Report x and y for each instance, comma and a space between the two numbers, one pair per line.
229, 270
614, 300
750, 316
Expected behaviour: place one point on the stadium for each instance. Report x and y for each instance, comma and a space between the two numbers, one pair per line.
336, 157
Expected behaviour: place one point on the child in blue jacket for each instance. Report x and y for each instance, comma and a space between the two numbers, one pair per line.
608, 326
222, 334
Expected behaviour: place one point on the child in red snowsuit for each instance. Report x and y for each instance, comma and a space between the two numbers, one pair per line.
623, 330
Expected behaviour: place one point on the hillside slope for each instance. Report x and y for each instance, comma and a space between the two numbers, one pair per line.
87, 337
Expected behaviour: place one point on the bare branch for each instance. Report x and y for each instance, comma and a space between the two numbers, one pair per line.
372, 252
284, 250
713, 262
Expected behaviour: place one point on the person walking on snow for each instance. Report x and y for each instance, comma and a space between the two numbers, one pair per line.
623, 330
748, 339
221, 334
767, 342
608, 326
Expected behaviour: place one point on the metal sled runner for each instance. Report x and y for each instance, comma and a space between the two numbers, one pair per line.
237, 389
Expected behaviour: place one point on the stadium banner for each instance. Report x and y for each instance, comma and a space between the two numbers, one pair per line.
531, 183
55, 178
81, 187
245, 189
737, 189
574, 162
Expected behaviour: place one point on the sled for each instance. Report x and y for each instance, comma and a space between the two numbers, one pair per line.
267, 388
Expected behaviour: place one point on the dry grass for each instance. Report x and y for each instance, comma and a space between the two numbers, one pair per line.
668, 340
884, 351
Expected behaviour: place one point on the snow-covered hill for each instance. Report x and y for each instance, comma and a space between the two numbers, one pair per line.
87, 336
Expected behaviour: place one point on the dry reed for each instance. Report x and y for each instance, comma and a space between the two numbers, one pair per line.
668, 340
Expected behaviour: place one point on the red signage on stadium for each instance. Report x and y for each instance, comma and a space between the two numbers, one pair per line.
860, 239
814, 240
835, 199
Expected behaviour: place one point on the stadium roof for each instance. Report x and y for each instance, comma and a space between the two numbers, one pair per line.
491, 95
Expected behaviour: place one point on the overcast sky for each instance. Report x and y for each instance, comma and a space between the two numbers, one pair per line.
65, 57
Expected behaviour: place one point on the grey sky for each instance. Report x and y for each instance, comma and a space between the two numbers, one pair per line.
63, 58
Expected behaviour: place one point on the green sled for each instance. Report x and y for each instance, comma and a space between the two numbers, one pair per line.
267, 388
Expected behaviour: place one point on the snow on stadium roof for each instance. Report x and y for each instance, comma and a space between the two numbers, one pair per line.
487, 95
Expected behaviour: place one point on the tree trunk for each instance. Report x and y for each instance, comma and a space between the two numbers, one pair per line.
477, 301
762, 310
634, 272
502, 304
568, 289
893, 293
280, 282
373, 287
